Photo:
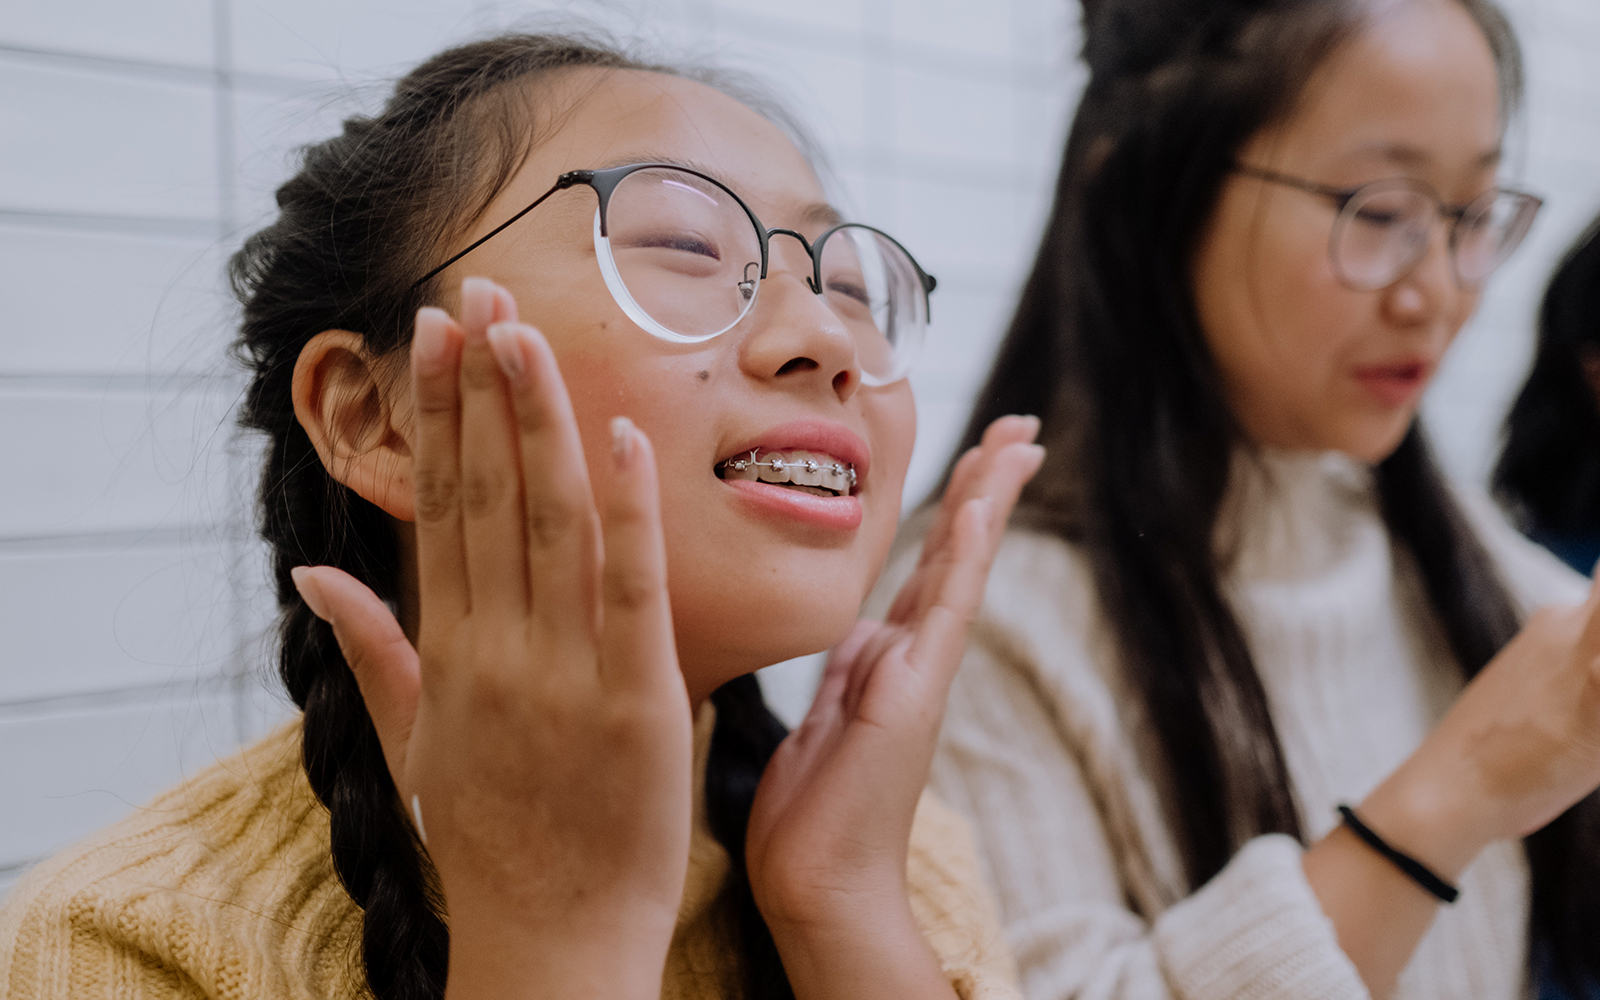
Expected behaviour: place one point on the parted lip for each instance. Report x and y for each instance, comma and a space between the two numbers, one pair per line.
822, 436
1403, 368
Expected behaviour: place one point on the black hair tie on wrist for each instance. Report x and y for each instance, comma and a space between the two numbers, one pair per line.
1416, 870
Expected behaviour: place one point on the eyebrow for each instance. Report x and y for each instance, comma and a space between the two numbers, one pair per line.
1411, 156
817, 213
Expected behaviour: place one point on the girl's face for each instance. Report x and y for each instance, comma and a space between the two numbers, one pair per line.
758, 573
1306, 361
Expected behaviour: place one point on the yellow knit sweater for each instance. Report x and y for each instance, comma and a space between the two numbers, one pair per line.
224, 887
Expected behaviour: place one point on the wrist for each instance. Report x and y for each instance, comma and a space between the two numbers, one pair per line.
1429, 820
580, 956
864, 951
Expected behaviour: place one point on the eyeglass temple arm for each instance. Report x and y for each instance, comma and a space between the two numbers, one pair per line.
563, 182
1337, 194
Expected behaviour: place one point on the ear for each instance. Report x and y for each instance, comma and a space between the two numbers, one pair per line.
358, 416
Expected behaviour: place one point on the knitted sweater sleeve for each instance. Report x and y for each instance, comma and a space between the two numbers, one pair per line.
1040, 807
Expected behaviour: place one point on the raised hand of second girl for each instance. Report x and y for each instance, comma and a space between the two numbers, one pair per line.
539, 727
828, 836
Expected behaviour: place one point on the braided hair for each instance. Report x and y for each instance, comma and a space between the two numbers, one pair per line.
1106, 344
368, 211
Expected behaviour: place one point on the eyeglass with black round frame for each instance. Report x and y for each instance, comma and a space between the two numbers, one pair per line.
1521, 209
605, 182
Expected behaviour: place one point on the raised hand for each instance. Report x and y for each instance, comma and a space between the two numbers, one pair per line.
828, 835
540, 728
1519, 747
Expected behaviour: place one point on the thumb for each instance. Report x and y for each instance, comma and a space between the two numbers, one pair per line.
384, 663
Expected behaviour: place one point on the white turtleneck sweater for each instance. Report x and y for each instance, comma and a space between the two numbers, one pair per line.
1046, 749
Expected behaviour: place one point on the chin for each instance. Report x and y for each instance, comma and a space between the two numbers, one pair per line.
1373, 440
718, 654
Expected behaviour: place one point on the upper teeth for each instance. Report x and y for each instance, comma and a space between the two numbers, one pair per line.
802, 468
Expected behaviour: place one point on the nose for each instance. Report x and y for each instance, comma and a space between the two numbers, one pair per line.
794, 339
1429, 288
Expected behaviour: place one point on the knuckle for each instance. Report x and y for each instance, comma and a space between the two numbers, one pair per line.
483, 492
550, 523
436, 496
629, 590
479, 373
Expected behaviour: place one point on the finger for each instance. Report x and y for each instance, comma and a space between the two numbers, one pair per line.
637, 646
970, 469
385, 665
1001, 480
560, 531
441, 567
491, 493
967, 480
940, 637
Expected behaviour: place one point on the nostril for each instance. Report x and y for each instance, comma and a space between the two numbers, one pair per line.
841, 382
797, 365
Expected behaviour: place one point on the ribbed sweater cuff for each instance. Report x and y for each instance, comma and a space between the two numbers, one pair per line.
1256, 931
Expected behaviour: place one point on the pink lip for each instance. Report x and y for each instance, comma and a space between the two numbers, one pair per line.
836, 513
1396, 384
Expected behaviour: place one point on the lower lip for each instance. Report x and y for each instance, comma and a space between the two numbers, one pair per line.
1394, 386
837, 513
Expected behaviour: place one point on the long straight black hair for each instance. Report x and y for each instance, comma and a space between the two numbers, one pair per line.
369, 211
1549, 470
1107, 347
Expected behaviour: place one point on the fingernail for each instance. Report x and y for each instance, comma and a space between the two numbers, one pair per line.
306, 583
505, 306
621, 440
1033, 422
430, 340
477, 304
505, 340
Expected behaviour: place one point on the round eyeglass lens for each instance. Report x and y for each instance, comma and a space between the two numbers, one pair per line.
1380, 235
685, 252
873, 285
1489, 231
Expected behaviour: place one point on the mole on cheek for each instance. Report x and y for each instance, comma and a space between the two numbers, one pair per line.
703, 375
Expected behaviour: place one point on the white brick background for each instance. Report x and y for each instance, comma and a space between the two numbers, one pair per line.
139, 141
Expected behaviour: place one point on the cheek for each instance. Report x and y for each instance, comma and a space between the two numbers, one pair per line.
1276, 319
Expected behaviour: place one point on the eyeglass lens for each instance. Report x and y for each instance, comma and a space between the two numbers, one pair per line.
1383, 232
690, 257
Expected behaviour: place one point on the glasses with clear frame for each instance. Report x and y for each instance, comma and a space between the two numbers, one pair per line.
684, 258
1383, 229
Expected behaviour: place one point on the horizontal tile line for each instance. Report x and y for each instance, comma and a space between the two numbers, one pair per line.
121, 225
896, 52
220, 377
16, 869
188, 689
191, 536
150, 69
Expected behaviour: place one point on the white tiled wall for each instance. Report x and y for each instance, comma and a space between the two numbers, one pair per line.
139, 141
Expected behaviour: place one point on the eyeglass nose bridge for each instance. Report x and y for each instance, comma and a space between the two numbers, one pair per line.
814, 280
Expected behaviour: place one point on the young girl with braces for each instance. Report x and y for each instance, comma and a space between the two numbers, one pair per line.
563, 442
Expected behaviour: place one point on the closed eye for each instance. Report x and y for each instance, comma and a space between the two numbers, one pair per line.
681, 242
851, 290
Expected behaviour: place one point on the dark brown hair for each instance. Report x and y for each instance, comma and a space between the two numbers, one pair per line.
368, 212
1107, 346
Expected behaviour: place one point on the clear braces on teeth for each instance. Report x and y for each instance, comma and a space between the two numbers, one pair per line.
778, 465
